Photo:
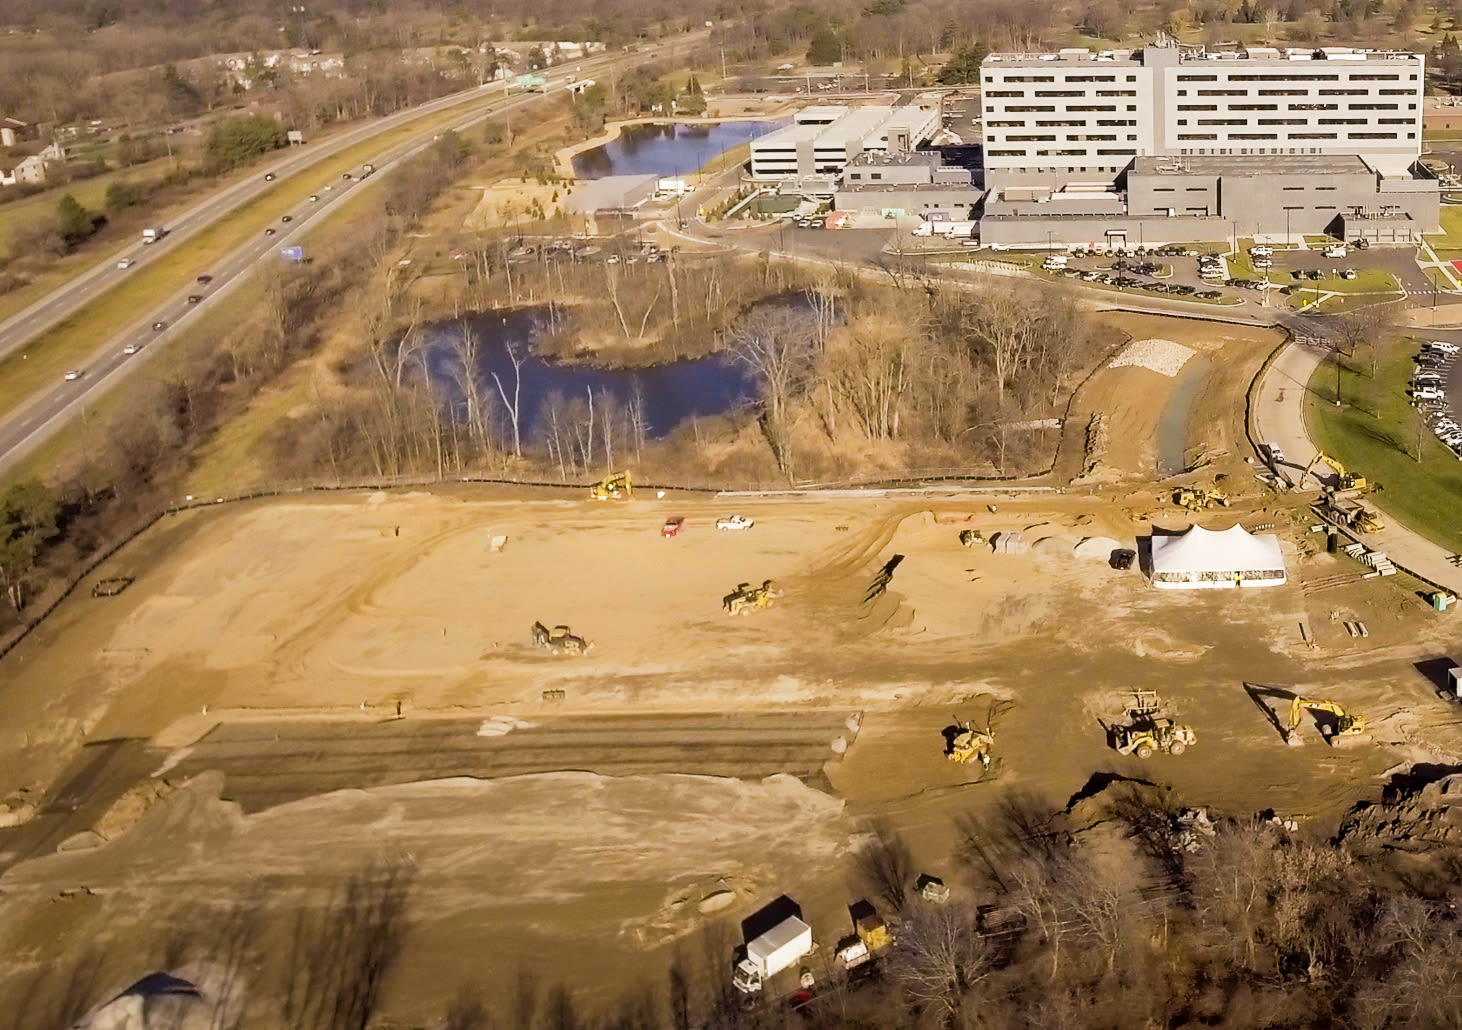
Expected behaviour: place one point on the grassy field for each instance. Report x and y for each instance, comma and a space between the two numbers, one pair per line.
1424, 495
70, 343
91, 193
1448, 244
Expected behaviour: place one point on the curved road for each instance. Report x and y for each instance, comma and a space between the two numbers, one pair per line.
26, 427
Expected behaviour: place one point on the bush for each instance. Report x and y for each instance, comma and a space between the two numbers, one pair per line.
120, 196
237, 141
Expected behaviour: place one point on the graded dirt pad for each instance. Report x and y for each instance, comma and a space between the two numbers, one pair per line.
1135, 399
588, 815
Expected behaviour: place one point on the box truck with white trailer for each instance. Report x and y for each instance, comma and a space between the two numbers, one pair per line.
770, 953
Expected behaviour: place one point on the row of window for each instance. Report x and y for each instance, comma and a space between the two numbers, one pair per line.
1292, 135
1296, 77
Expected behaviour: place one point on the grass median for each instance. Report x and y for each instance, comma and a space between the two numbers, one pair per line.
69, 344
1376, 432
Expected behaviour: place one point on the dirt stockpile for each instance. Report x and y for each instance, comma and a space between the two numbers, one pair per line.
1417, 821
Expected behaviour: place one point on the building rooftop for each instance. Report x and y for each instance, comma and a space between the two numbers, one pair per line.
820, 114
1187, 55
1258, 165
899, 158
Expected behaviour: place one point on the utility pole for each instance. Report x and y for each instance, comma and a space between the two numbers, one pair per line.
723, 68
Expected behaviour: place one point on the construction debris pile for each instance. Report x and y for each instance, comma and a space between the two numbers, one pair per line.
1415, 822
1096, 443
1161, 356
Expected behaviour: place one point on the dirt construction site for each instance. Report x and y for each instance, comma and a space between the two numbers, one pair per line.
289, 689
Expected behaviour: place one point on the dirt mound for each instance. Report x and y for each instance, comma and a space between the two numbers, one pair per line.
129, 809
1096, 548
1054, 546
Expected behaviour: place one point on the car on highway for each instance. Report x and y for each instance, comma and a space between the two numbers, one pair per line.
672, 526
269, 231
269, 177
328, 187
347, 176
73, 375
286, 218
204, 280
132, 348
314, 198
735, 522
194, 298
125, 263
159, 326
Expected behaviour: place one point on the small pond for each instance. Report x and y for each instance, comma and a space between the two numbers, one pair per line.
667, 150
672, 392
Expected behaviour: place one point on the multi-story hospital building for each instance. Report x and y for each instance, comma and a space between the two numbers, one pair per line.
1275, 142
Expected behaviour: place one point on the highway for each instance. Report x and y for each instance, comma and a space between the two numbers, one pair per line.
133, 346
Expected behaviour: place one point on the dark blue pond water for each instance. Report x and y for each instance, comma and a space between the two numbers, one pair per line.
667, 150
672, 392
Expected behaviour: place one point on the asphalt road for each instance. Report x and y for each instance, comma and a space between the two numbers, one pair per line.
25, 428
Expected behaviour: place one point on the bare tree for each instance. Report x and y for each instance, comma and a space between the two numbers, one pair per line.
775, 343
512, 405
887, 866
939, 956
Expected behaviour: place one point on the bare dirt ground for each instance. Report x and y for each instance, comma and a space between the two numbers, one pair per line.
694, 766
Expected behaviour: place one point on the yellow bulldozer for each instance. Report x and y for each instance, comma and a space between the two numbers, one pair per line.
1147, 733
559, 641
971, 744
1196, 498
612, 488
1345, 728
746, 598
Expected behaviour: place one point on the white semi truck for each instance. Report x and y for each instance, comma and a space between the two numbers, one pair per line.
767, 955
152, 235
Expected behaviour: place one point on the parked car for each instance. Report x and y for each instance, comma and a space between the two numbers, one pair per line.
735, 522
672, 526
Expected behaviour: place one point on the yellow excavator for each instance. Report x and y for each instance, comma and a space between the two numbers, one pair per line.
615, 487
1347, 728
1344, 480
746, 598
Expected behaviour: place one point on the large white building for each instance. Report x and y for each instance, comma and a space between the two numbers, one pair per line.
1079, 116
822, 140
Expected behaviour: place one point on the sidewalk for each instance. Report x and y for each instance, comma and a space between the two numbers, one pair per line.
1278, 417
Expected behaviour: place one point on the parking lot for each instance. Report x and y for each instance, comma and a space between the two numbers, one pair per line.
1434, 377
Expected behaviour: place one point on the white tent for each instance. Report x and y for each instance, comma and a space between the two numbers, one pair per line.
1202, 558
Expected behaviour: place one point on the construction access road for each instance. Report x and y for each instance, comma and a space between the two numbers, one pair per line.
231, 719
1278, 418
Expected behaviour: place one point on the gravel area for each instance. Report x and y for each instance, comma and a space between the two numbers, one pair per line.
1162, 356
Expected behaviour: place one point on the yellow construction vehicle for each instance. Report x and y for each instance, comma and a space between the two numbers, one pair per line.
746, 598
1343, 480
1346, 728
559, 641
1352, 514
615, 487
971, 745
1148, 733
1196, 498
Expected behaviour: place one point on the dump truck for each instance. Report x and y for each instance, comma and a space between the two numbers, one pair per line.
779, 948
